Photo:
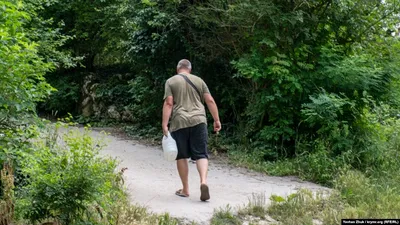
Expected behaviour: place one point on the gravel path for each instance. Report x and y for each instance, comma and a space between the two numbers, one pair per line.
152, 182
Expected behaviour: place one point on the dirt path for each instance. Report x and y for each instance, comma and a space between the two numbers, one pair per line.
152, 182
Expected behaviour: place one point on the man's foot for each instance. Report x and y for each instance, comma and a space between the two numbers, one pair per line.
205, 193
180, 193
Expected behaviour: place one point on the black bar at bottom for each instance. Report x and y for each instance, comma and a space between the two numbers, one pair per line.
370, 221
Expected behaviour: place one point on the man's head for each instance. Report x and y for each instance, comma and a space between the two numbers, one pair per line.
184, 66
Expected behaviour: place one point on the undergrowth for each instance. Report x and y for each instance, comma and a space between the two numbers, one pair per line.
364, 179
354, 196
63, 179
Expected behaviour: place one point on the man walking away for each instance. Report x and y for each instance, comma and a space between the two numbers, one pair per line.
183, 102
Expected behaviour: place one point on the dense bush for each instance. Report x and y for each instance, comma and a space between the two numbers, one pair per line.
67, 180
374, 151
22, 84
63, 101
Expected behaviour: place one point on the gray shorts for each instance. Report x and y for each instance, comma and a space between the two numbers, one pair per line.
192, 142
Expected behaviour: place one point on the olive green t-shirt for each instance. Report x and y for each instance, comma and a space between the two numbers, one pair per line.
188, 109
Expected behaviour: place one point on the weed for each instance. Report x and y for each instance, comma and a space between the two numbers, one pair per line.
299, 208
7, 203
126, 214
256, 207
225, 216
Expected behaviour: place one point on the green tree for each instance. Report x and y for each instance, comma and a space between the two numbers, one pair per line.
22, 83
288, 51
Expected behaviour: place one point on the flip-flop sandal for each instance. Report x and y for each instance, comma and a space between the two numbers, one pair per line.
205, 193
180, 194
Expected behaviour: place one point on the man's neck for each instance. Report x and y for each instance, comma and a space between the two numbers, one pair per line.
184, 72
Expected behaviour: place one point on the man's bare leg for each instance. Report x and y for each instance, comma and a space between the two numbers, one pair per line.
183, 170
202, 167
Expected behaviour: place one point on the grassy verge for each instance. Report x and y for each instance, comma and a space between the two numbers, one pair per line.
127, 214
354, 195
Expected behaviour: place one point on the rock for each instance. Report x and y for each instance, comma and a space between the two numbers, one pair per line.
255, 220
126, 115
88, 96
113, 113
317, 222
98, 109
87, 107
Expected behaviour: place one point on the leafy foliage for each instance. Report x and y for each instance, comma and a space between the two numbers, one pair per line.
21, 71
22, 84
66, 180
292, 78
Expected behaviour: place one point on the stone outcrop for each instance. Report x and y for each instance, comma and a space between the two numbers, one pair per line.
88, 96
112, 113
92, 106
126, 115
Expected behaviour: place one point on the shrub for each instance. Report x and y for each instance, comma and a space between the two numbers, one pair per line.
146, 100
66, 99
68, 180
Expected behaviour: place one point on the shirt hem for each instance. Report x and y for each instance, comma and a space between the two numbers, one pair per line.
192, 125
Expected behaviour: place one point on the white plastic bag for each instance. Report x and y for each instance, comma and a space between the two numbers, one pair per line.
169, 147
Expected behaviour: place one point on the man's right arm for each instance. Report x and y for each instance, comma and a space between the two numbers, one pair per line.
212, 106
167, 107
166, 113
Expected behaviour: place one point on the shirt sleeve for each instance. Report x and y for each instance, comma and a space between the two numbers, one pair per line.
204, 88
167, 90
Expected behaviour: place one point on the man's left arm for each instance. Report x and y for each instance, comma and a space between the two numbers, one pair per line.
167, 110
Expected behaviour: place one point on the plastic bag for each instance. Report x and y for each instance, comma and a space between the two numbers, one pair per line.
169, 147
